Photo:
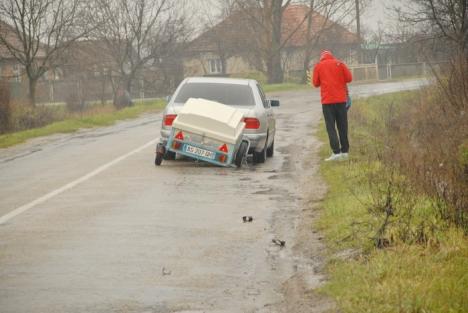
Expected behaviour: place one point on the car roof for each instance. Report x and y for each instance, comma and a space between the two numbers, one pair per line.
220, 80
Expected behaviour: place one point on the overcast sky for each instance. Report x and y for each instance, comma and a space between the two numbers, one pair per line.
376, 13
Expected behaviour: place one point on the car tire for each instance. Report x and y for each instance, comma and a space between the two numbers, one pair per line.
241, 153
260, 157
170, 156
158, 159
271, 149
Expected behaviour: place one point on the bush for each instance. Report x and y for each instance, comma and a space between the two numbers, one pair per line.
27, 117
429, 145
423, 137
122, 99
5, 107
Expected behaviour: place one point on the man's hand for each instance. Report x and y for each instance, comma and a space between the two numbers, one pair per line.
349, 102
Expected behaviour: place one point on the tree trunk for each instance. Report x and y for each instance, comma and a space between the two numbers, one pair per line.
32, 92
128, 83
274, 68
308, 45
358, 30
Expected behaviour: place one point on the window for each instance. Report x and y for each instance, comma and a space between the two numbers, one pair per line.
96, 71
17, 73
229, 94
216, 66
266, 104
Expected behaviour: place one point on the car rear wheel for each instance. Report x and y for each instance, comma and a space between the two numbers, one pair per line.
260, 157
271, 149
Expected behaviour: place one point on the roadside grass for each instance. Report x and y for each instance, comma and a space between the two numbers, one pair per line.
97, 116
405, 275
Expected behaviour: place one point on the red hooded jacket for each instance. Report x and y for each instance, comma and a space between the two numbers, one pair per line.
331, 75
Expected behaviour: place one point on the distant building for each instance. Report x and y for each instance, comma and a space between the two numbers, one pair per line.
93, 65
10, 69
225, 48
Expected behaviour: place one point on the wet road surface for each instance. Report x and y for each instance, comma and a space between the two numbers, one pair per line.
98, 228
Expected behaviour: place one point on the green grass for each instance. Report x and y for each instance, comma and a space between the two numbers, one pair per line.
406, 276
76, 122
404, 279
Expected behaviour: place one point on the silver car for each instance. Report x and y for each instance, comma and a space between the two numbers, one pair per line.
244, 94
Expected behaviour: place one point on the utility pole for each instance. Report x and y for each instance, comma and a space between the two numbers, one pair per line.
358, 29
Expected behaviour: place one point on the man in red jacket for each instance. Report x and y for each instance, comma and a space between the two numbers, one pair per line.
332, 75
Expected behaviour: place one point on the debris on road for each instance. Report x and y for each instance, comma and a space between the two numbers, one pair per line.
278, 242
165, 271
247, 219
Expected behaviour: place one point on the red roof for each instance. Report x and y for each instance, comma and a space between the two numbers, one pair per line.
10, 34
295, 23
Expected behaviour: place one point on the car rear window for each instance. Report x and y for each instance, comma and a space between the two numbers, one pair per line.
229, 94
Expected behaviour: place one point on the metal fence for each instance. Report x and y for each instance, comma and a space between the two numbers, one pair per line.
90, 90
364, 72
95, 89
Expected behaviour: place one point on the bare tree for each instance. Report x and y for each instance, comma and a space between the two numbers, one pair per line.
443, 22
326, 14
265, 18
37, 32
135, 32
216, 32
438, 19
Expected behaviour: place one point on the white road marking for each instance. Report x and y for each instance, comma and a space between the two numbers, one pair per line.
50, 195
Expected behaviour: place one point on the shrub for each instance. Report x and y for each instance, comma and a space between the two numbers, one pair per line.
422, 137
27, 117
122, 99
430, 145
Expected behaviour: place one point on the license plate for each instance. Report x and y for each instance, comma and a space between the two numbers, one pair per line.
200, 152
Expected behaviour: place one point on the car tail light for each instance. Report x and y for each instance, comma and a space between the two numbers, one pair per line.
251, 123
176, 145
169, 119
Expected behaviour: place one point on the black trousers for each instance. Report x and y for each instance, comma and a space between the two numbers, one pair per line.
336, 116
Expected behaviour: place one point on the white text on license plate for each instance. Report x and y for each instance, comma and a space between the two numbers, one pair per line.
200, 152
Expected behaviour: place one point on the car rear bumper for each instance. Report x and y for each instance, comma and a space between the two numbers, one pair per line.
257, 141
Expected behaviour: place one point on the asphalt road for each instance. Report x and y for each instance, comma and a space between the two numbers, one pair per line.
89, 224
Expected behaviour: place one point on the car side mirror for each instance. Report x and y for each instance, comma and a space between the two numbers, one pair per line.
274, 103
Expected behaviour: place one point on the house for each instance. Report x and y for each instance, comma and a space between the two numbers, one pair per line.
89, 70
93, 67
14, 72
10, 69
230, 47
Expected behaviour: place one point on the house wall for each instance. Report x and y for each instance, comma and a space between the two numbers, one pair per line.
292, 60
12, 71
201, 65
198, 65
